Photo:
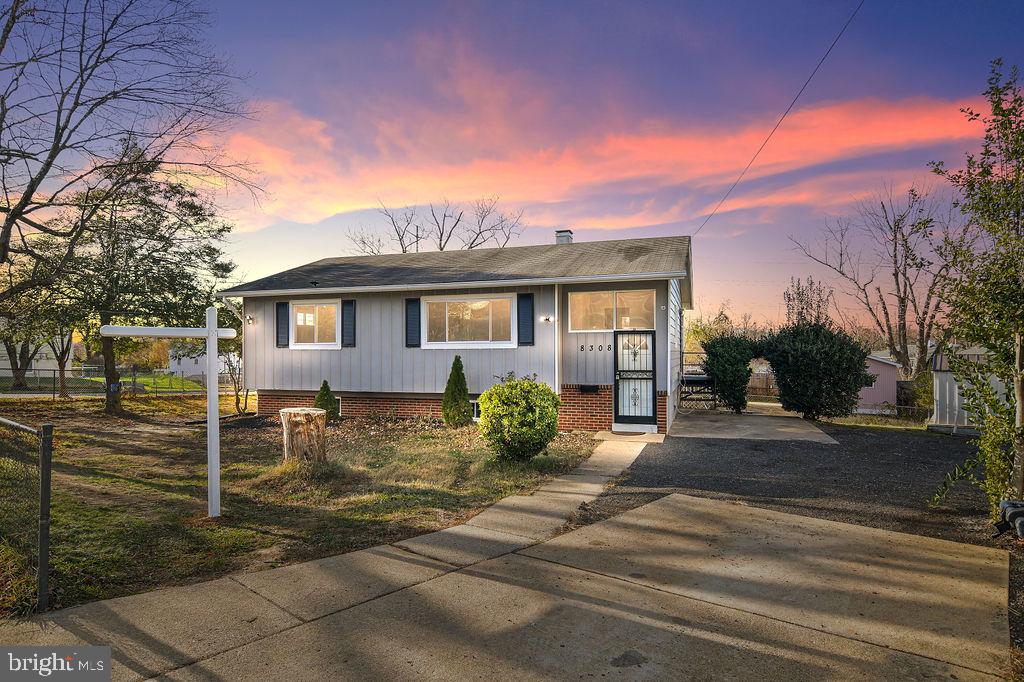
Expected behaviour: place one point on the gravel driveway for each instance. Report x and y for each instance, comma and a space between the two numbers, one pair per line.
879, 477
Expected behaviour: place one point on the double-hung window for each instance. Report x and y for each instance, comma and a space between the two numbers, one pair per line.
605, 311
315, 324
469, 321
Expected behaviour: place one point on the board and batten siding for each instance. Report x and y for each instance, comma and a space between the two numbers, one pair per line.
595, 363
675, 347
380, 361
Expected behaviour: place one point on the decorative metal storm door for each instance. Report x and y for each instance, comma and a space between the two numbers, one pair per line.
634, 378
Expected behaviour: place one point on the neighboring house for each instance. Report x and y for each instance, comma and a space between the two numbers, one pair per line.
880, 397
948, 413
180, 364
600, 322
44, 361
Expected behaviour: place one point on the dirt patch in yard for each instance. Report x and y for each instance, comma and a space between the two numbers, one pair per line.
876, 476
129, 493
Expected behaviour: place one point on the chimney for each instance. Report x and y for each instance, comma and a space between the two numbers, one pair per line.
563, 236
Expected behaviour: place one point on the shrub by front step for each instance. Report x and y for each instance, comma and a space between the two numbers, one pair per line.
519, 417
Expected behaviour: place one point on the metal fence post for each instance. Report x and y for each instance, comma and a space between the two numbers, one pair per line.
45, 465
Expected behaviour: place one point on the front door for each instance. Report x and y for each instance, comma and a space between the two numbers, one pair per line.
634, 378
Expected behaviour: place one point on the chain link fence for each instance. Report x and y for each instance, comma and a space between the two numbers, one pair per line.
86, 381
25, 464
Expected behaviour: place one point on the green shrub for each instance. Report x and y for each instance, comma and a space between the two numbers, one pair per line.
519, 417
456, 409
728, 364
325, 400
820, 369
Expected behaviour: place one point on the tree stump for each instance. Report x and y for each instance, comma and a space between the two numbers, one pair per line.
304, 431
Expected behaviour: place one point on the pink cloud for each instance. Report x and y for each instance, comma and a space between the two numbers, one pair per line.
489, 139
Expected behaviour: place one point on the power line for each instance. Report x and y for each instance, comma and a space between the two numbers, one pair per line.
781, 118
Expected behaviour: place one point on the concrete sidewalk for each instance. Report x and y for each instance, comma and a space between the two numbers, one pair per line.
160, 631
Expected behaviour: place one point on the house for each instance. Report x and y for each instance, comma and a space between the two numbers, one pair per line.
43, 363
181, 363
880, 397
600, 322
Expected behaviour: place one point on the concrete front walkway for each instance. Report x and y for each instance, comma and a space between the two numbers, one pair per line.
680, 588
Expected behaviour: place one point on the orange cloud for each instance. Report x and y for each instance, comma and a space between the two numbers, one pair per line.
489, 145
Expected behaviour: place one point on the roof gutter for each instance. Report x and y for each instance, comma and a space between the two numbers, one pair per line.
487, 284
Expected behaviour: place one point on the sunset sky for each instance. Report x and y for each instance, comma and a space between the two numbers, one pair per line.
617, 120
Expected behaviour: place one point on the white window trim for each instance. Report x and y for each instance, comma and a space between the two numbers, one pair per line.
465, 345
615, 310
293, 345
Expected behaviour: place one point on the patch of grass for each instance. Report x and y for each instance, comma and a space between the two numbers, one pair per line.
307, 480
129, 493
17, 582
880, 421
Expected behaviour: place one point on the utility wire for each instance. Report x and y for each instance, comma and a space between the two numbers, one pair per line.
781, 118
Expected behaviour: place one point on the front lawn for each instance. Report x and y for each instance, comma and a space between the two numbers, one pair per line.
129, 494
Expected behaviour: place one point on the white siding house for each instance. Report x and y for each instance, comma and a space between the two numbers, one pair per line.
600, 322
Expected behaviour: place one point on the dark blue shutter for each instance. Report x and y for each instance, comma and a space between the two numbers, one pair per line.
282, 324
412, 323
348, 323
524, 319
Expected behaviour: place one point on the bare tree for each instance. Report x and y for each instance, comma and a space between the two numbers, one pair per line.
887, 258
438, 225
808, 301
491, 225
82, 80
442, 223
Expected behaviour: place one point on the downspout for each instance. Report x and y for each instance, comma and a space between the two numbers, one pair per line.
558, 340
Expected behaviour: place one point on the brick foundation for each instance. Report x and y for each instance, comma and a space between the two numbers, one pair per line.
595, 411
585, 411
354, 404
397, 406
580, 411
270, 404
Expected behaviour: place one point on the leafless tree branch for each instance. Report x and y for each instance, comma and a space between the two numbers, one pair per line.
887, 257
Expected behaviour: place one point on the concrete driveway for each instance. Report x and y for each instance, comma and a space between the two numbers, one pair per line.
760, 421
680, 588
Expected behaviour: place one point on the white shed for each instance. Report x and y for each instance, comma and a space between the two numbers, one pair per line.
948, 413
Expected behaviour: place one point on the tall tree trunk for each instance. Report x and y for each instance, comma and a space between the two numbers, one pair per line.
1018, 433
62, 382
111, 377
21, 357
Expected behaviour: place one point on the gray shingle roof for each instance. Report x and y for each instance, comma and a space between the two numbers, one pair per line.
577, 261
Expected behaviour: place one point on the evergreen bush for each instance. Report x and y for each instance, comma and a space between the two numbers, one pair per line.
819, 368
727, 362
519, 417
456, 409
325, 400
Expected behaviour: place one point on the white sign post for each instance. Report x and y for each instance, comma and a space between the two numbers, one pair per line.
211, 333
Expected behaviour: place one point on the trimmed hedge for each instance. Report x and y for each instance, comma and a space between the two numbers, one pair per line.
519, 417
820, 369
727, 362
